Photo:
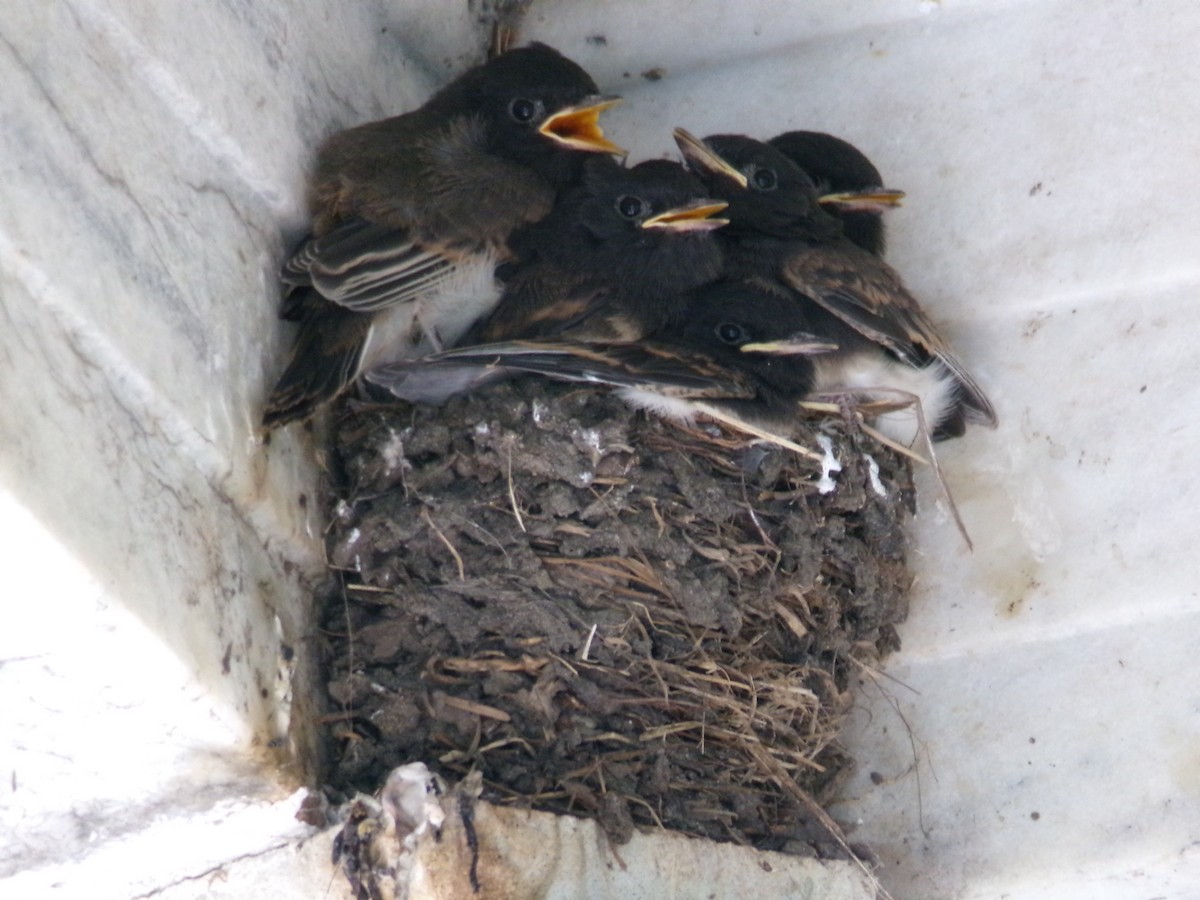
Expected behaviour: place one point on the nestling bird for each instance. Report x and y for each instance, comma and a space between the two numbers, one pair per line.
848, 185
613, 258
611, 263
779, 238
411, 215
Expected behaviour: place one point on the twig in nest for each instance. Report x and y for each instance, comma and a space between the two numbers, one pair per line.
785, 781
662, 731
512, 494
791, 620
566, 665
860, 417
875, 675
616, 568
662, 525
914, 402
349, 633
487, 663
587, 645
462, 574
478, 709
894, 445
505, 742
927, 438
633, 798
746, 428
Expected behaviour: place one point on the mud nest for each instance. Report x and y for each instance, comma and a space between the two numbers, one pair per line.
606, 614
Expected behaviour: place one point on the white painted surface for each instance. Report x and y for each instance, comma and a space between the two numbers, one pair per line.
151, 171
1052, 227
533, 854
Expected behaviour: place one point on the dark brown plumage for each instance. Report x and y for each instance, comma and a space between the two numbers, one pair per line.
848, 185
779, 238
613, 259
611, 263
411, 215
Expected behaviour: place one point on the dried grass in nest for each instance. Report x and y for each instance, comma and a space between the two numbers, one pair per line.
606, 614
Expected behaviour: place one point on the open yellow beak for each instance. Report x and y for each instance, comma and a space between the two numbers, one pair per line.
876, 200
694, 216
698, 155
578, 126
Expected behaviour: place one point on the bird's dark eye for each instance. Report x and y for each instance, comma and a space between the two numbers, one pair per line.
731, 333
630, 207
764, 179
522, 110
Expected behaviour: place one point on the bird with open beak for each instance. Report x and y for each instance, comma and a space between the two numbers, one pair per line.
412, 214
613, 262
849, 187
780, 239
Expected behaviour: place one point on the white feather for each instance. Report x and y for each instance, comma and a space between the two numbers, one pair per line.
877, 376
437, 320
667, 407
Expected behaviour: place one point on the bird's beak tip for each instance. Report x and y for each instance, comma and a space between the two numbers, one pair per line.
872, 200
578, 127
701, 157
796, 345
695, 216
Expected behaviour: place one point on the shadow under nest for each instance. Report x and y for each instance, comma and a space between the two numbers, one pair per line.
606, 614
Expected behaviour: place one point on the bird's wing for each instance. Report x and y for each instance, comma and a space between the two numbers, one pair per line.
542, 300
670, 371
367, 267
651, 365
325, 359
392, 233
867, 294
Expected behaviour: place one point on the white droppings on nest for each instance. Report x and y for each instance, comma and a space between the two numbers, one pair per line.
538, 411
873, 474
412, 794
590, 438
353, 538
482, 429
392, 453
378, 843
829, 465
